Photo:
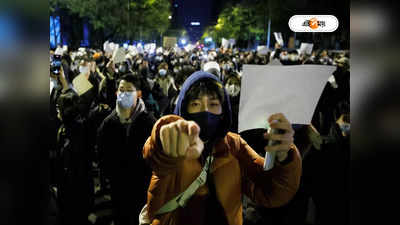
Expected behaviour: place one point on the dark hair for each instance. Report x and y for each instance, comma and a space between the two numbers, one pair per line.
203, 87
213, 71
131, 78
68, 105
184, 74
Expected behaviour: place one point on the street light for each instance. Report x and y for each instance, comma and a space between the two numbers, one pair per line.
169, 17
183, 41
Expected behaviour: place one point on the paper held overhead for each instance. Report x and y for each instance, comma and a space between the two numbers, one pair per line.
81, 84
278, 38
262, 50
306, 48
232, 42
59, 51
224, 43
108, 47
119, 55
291, 90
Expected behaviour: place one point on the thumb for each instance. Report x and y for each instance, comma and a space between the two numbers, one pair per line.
194, 131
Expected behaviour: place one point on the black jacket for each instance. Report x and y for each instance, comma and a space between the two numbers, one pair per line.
120, 152
74, 182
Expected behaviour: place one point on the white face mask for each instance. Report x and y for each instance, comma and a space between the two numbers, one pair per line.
162, 72
126, 99
284, 57
84, 69
293, 57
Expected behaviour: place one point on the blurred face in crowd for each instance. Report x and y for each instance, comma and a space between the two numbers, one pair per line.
128, 93
324, 53
232, 86
84, 67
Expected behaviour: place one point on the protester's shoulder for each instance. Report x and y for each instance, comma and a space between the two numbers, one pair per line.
146, 117
112, 117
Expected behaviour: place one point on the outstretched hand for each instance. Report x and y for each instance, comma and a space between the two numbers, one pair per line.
181, 139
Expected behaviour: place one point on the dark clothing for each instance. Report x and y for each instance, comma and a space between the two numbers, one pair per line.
95, 118
55, 124
235, 100
74, 182
120, 148
325, 178
107, 93
332, 103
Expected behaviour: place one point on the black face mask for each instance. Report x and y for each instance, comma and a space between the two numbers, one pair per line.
208, 122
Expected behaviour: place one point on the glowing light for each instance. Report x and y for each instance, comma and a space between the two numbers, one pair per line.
183, 41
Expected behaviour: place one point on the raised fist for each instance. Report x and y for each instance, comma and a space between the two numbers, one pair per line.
181, 139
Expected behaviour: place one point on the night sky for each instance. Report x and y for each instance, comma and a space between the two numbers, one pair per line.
206, 12
203, 11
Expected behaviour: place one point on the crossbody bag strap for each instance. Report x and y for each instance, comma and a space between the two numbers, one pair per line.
182, 199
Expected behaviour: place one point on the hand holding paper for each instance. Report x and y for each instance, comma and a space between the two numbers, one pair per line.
292, 90
285, 140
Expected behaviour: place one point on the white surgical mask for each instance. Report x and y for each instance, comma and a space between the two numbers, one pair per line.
126, 99
84, 69
284, 57
162, 72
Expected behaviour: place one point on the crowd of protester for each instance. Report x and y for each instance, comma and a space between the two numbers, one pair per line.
98, 173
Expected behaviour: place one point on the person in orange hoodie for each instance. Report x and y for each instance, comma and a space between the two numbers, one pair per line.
201, 171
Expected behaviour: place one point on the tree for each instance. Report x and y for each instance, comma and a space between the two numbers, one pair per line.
247, 21
123, 19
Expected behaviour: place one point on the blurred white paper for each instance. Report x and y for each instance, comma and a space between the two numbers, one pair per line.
262, 50
81, 84
132, 50
224, 43
108, 47
159, 49
105, 45
278, 38
189, 47
59, 51
232, 42
291, 90
119, 55
139, 48
306, 48
147, 47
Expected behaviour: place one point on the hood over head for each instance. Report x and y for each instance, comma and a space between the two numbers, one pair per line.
226, 106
